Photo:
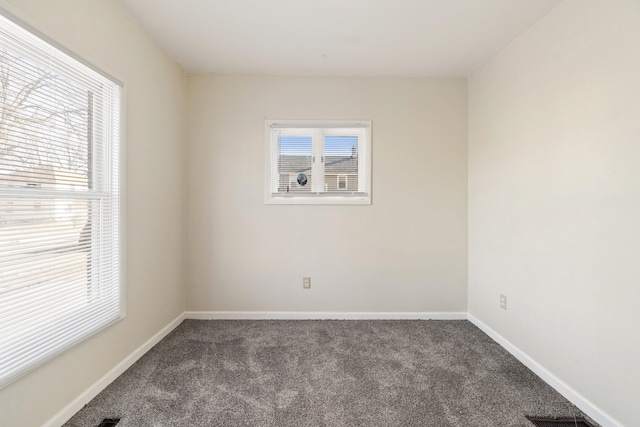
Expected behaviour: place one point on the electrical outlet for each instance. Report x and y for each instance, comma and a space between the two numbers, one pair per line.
306, 282
503, 301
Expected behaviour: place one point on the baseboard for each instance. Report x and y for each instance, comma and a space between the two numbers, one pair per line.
322, 315
561, 387
68, 411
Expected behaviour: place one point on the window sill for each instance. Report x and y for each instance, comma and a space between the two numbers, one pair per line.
317, 200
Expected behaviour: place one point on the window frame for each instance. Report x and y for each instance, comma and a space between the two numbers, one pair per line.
62, 324
346, 182
318, 196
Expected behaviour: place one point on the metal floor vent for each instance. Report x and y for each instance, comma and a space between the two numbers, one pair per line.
109, 422
559, 422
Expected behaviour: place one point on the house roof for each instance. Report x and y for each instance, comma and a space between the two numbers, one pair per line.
334, 165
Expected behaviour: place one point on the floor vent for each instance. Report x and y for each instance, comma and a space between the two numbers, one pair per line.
109, 422
559, 422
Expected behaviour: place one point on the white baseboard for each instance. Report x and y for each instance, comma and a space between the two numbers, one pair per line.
78, 403
322, 315
599, 416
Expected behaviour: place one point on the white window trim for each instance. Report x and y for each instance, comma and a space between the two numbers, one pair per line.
318, 198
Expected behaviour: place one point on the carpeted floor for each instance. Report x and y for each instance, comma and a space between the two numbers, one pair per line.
325, 373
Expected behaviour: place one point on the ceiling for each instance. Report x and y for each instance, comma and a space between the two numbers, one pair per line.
427, 38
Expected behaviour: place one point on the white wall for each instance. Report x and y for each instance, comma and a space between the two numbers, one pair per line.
407, 252
102, 33
554, 198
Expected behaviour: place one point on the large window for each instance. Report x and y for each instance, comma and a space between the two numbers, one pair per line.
318, 162
60, 261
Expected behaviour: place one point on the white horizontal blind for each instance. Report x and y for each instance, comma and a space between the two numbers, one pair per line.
320, 160
59, 201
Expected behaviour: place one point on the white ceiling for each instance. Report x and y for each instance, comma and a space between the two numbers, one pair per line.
431, 38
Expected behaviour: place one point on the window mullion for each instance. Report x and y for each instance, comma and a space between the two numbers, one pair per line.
317, 146
362, 165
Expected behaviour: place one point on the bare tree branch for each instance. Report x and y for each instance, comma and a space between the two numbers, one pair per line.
43, 119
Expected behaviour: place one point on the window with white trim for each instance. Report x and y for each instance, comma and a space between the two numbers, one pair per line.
342, 181
60, 257
318, 162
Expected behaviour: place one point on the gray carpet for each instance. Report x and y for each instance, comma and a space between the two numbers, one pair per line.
325, 373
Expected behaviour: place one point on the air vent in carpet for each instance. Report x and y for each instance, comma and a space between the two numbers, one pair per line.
109, 422
559, 422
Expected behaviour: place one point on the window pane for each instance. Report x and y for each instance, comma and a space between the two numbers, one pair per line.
47, 248
294, 163
341, 163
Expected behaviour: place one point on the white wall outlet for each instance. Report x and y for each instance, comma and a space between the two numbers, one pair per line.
503, 301
306, 282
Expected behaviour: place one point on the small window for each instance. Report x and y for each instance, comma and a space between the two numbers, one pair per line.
342, 182
318, 162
